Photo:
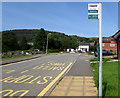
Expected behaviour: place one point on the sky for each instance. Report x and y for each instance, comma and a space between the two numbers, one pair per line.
70, 18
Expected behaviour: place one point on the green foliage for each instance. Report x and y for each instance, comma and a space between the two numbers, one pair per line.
11, 57
65, 42
28, 33
23, 44
110, 77
39, 39
53, 42
53, 51
9, 41
93, 48
90, 53
56, 40
104, 59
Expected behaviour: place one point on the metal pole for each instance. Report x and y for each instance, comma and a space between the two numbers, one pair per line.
47, 44
100, 42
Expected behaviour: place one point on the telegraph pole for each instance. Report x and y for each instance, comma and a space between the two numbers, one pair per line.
47, 42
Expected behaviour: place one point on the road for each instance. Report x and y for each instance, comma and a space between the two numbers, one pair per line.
35, 77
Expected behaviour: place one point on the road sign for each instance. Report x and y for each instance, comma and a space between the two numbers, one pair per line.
93, 11
92, 16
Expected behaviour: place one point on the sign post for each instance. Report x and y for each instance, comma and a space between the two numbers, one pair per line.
95, 12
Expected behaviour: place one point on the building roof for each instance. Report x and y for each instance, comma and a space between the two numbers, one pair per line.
88, 44
116, 35
106, 40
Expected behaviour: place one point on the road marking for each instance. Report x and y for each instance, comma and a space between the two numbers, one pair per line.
24, 71
45, 80
23, 61
49, 67
9, 71
43, 92
27, 79
12, 93
8, 92
70, 67
32, 81
24, 92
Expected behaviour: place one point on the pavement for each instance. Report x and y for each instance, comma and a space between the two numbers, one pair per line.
75, 86
79, 81
39, 76
81, 66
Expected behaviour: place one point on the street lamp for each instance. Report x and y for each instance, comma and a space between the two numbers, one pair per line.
47, 42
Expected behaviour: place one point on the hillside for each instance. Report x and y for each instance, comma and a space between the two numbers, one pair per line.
29, 34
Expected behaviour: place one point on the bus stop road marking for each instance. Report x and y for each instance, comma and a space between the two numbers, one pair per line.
43, 92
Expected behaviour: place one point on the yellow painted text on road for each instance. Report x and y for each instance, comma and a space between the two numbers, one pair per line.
13, 93
24, 71
27, 79
57, 64
48, 68
43, 92
9, 71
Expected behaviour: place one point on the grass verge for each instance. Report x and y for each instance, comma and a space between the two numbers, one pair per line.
104, 59
110, 77
16, 57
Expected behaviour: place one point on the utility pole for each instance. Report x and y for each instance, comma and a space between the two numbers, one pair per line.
47, 42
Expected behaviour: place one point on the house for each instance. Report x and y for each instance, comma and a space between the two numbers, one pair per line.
109, 44
84, 47
117, 38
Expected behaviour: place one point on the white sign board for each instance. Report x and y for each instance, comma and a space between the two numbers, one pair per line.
93, 11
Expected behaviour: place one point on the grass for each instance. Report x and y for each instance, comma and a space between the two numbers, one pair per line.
110, 77
104, 59
16, 57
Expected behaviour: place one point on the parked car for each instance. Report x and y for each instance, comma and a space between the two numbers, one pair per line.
104, 53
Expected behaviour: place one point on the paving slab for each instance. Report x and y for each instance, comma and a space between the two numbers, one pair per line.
74, 87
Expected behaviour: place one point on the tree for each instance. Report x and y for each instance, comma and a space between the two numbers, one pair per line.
65, 42
39, 39
93, 48
23, 44
54, 43
9, 41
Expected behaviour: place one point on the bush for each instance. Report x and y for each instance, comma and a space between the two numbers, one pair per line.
53, 50
90, 53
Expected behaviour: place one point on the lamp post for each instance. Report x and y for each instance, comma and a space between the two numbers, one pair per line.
47, 42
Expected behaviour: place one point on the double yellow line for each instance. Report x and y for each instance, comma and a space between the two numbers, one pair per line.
44, 91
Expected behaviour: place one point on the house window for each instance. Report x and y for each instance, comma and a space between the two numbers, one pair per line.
103, 44
112, 45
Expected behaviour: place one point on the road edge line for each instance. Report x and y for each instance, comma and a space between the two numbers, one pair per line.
22, 61
44, 91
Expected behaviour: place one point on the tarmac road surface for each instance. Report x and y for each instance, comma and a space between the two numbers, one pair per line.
36, 76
